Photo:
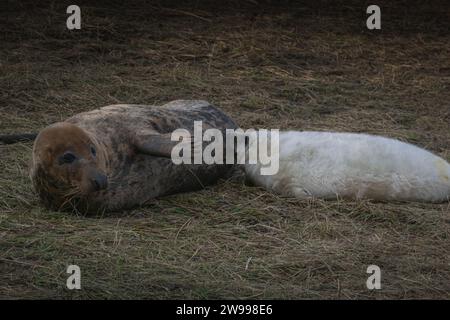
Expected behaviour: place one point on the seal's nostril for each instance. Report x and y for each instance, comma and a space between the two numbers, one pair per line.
96, 185
99, 182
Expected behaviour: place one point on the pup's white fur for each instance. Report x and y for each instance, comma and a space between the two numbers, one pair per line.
330, 165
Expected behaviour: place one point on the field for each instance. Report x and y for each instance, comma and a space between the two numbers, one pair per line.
268, 64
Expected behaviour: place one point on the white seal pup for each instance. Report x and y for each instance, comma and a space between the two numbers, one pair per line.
347, 165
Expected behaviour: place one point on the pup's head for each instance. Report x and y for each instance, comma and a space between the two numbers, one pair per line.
66, 165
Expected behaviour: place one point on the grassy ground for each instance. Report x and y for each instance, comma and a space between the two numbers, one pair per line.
289, 66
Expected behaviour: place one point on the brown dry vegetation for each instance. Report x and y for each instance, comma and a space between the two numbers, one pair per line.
276, 65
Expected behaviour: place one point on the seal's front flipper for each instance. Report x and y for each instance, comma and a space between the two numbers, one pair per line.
161, 145
154, 144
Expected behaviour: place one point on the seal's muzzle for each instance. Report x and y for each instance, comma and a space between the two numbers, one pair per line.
99, 181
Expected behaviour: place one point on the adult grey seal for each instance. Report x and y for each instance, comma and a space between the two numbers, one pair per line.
118, 156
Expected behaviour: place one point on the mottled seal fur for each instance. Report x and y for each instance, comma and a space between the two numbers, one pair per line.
117, 157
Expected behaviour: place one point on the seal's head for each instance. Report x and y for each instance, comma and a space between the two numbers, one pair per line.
67, 165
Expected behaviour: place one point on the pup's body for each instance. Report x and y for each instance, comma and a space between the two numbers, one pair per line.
118, 156
334, 165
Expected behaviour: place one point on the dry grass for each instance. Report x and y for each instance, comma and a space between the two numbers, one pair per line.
289, 66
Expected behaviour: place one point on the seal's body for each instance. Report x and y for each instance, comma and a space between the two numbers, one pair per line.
118, 156
333, 165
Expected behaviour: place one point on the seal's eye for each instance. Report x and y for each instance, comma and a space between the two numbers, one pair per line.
94, 153
68, 157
